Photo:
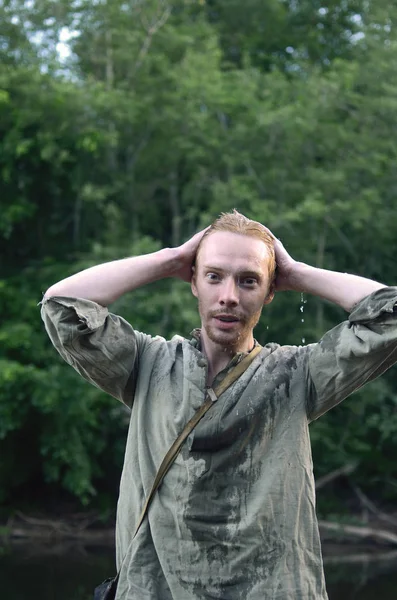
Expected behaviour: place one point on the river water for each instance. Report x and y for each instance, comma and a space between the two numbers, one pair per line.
59, 572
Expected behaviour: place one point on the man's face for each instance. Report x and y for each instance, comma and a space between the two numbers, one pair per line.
231, 282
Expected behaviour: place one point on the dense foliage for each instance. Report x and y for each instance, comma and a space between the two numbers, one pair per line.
164, 114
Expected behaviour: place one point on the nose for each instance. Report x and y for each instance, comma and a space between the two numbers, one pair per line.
229, 293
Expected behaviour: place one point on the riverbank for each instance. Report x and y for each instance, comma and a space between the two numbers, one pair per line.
373, 534
89, 528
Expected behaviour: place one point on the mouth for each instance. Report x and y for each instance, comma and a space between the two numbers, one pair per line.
226, 318
226, 321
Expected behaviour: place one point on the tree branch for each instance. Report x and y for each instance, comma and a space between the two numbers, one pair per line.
151, 29
362, 532
360, 557
365, 501
346, 469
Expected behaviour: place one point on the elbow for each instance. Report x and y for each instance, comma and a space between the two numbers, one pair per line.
47, 294
53, 290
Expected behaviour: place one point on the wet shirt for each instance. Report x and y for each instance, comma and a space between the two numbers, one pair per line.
234, 518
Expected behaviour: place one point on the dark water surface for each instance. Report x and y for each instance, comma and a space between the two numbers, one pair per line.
61, 572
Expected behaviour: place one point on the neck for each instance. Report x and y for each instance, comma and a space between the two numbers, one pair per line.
219, 356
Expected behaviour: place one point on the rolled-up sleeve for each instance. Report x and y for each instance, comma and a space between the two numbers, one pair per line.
102, 347
353, 353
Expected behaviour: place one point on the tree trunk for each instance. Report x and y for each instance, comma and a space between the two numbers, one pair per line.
175, 210
321, 242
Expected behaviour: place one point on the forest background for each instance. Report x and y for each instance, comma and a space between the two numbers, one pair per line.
155, 116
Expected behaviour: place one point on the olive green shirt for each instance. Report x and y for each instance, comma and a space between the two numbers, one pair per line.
234, 519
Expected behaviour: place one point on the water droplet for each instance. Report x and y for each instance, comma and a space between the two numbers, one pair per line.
267, 326
303, 302
302, 308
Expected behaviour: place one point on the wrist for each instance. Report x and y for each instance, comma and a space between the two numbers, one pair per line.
170, 261
297, 276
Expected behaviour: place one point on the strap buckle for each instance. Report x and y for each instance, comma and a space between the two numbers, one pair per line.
212, 394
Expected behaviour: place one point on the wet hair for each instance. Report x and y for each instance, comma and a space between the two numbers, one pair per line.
235, 222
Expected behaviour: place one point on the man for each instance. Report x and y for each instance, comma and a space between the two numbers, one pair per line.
234, 518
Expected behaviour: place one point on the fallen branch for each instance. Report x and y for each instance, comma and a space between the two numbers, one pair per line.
18, 533
77, 522
21, 526
360, 557
367, 503
362, 532
346, 469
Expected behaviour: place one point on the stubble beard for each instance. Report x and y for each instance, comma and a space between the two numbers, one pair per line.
232, 340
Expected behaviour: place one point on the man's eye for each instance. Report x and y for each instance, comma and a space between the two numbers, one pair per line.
212, 277
248, 281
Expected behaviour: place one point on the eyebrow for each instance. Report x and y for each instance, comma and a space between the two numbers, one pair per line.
243, 272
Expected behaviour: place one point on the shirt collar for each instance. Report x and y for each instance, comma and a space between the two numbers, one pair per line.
196, 343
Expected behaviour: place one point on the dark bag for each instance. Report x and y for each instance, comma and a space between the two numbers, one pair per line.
106, 590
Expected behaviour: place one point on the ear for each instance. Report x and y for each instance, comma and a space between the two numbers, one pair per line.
270, 294
193, 283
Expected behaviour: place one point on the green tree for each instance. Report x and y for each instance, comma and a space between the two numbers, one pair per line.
164, 115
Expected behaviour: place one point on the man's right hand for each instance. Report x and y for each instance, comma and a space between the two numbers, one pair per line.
186, 254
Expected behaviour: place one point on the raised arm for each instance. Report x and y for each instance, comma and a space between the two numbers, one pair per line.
105, 283
341, 288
